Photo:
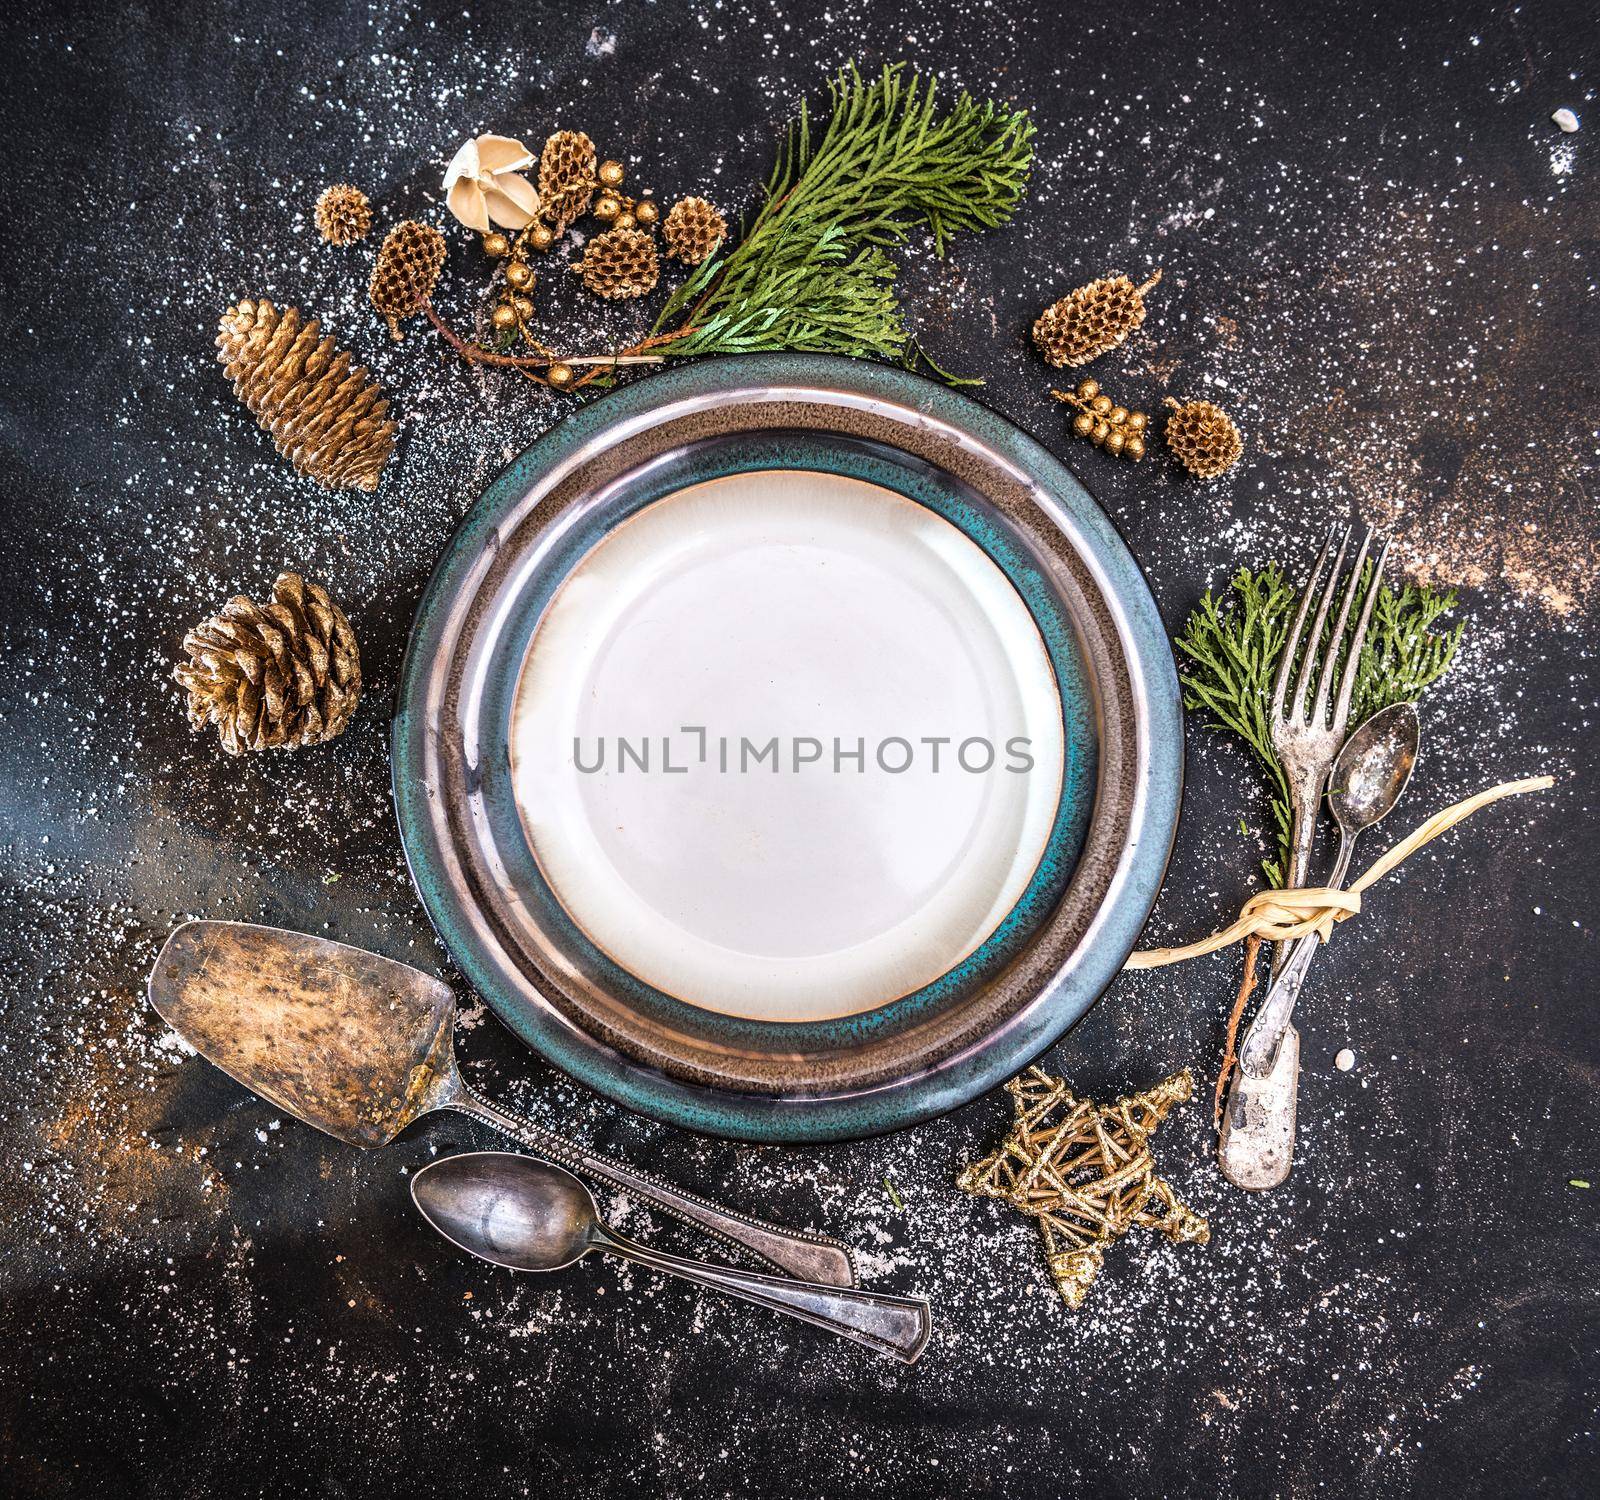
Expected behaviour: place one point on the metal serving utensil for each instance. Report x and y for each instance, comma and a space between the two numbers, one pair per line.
1306, 738
527, 1215
360, 1046
1372, 770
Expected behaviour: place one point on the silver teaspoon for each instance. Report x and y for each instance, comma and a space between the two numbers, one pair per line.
528, 1215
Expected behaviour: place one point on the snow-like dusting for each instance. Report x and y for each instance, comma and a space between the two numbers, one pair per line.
1378, 290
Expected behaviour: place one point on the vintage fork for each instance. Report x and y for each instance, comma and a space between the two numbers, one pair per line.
1257, 1142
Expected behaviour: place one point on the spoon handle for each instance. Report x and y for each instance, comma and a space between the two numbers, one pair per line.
811, 1257
1257, 1146
1259, 1049
896, 1327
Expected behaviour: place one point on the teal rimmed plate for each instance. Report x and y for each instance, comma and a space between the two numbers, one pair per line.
788, 748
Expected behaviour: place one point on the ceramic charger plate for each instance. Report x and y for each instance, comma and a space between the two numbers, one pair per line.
788, 748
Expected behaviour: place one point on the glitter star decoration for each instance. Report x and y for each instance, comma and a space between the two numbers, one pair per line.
1085, 1172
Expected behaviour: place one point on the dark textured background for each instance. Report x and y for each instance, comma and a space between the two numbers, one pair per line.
1379, 253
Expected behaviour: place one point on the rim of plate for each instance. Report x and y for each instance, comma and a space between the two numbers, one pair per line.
936, 1061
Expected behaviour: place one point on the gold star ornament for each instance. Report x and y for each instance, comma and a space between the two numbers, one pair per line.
1085, 1172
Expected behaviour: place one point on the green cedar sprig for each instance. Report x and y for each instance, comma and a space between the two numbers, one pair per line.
813, 272
1233, 647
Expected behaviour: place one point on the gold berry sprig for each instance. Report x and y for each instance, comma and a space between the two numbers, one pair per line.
1103, 422
619, 263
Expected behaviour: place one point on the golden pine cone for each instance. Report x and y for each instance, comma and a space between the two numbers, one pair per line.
406, 270
1091, 321
620, 263
328, 419
343, 214
693, 230
566, 177
282, 675
1202, 438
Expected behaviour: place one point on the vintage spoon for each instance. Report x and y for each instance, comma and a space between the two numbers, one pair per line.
360, 1046
1369, 774
527, 1215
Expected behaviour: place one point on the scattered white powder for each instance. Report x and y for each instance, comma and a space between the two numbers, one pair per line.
1375, 357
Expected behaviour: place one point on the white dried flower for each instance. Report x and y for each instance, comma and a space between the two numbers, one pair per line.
483, 189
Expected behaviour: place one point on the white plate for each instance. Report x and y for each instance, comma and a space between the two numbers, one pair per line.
810, 608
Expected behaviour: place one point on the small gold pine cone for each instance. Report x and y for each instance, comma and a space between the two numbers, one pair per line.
1202, 438
693, 230
566, 177
620, 263
329, 420
343, 214
406, 270
275, 676
1091, 321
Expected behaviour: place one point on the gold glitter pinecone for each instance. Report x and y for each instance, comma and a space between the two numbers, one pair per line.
329, 419
693, 230
1202, 438
343, 214
566, 177
274, 676
620, 263
1091, 321
406, 270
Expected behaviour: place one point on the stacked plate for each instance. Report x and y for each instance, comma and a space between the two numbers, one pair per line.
788, 747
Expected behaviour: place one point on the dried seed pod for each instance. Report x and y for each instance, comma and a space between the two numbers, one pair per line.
567, 175
343, 214
693, 230
276, 676
1202, 438
1091, 321
328, 419
406, 270
1106, 424
620, 263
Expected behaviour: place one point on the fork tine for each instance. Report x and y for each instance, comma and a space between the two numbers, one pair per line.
1336, 635
1341, 710
1314, 639
1292, 644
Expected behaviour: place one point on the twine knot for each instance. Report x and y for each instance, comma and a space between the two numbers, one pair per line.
1283, 916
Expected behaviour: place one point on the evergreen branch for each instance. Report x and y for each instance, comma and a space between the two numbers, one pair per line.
813, 272
1233, 648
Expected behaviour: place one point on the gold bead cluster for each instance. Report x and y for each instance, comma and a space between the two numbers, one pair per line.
1103, 422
